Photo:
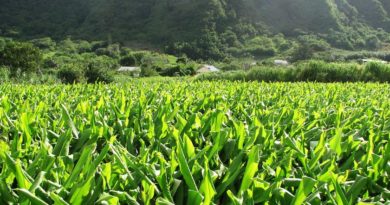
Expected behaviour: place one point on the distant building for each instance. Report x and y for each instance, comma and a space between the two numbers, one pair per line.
247, 66
207, 69
367, 60
128, 69
281, 63
133, 70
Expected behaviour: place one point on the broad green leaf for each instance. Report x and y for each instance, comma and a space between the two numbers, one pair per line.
30, 196
251, 168
207, 186
335, 142
183, 164
305, 188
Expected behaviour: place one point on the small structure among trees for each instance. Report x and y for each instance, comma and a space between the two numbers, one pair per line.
207, 69
135, 71
281, 63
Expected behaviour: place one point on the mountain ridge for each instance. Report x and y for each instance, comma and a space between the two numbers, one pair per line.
346, 24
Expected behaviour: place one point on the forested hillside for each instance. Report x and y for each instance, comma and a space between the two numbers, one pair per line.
201, 28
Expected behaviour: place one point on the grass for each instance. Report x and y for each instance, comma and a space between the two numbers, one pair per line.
162, 141
309, 71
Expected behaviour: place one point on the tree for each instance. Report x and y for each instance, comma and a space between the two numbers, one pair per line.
302, 52
128, 60
20, 57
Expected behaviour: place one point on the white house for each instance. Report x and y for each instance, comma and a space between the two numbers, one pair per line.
128, 69
367, 60
281, 63
207, 69
134, 70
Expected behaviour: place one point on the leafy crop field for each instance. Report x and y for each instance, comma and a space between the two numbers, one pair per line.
178, 142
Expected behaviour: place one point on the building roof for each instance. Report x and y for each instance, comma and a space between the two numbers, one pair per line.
208, 68
281, 62
368, 60
128, 68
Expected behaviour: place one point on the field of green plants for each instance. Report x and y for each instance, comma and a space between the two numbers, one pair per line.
181, 142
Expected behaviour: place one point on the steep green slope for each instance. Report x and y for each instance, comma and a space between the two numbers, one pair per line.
373, 12
43, 17
285, 16
131, 19
343, 23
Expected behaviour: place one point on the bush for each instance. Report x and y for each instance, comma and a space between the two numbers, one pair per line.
44, 43
48, 79
96, 74
4, 74
231, 67
230, 75
262, 52
100, 61
70, 74
139, 56
129, 60
20, 57
147, 71
313, 71
376, 72
266, 74
302, 52
320, 71
178, 70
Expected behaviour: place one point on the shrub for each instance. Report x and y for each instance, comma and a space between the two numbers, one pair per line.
179, 70
4, 74
129, 60
70, 74
328, 72
314, 71
139, 56
147, 71
302, 52
261, 51
376, 72
266, 74
230, 67
44, 43
112, 50
48, 79
20, 56
100, 61
96, 74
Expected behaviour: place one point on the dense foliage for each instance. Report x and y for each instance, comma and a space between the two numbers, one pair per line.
165, 142
204, 29
309, 71
20, 57
76, 61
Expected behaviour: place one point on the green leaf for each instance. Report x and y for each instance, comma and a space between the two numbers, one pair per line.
17, 170
356, 188
70, 122
183, 164
335, 142
162, 201
84, 158
251, 169
108, 199
231, 174
235, 200
37, 182
305, 188
30, 196
57, 199
207, 186
340, 194
194, 197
